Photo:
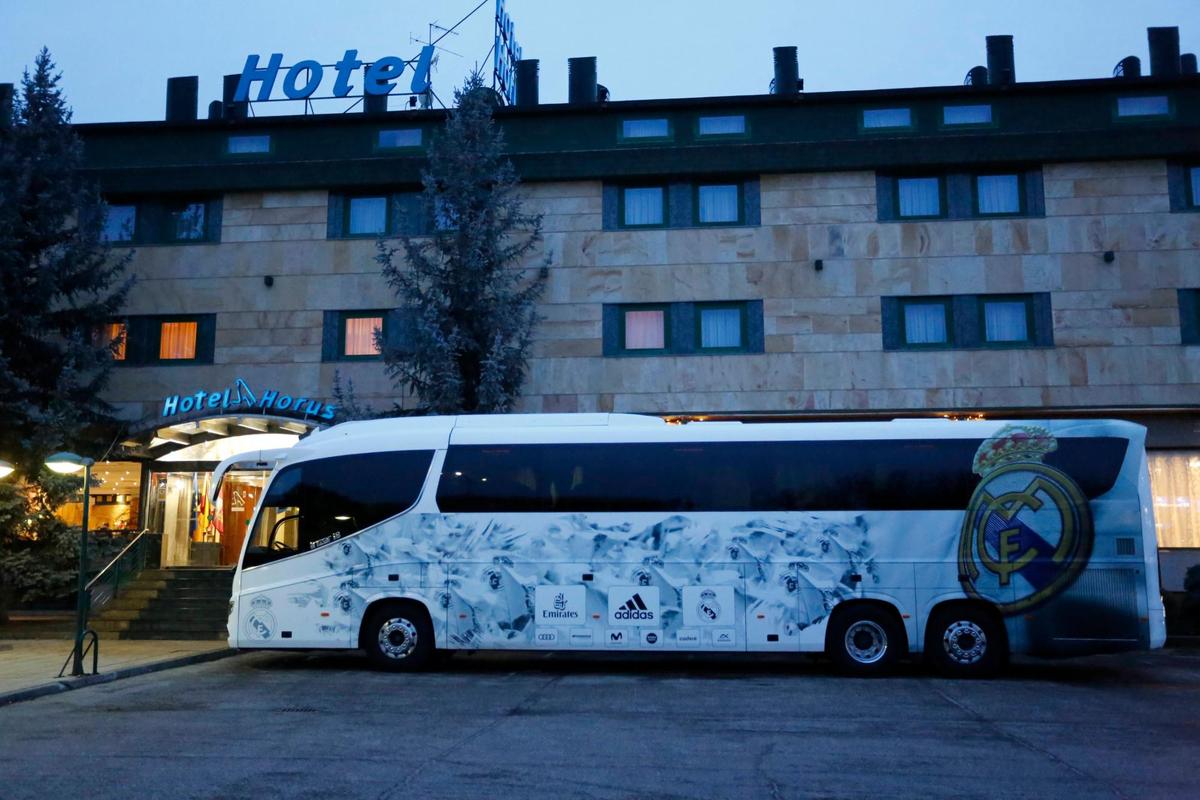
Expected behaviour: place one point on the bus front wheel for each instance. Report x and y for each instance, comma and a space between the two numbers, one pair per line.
398, 637
865, 640
965, 641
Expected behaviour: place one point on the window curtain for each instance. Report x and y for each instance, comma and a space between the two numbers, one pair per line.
1153, 106
114, 332
644, 206
360, 336
718, 126
645, 330
1175, 485
189, 222
719, 203
368, 215
998, 194
967, 115
925, 323
249, 144
400, 137
177, 340
919, 197
645, 128
1005, 321
119, 223
720, 327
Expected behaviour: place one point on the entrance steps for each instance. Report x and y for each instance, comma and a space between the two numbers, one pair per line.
179, 603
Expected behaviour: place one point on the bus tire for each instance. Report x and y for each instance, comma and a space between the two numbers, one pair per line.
865, 640
965, 640
398, 637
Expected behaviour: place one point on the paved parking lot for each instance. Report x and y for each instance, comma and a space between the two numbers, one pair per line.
270, 725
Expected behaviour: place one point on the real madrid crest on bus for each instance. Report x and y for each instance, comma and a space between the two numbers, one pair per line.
1028, 530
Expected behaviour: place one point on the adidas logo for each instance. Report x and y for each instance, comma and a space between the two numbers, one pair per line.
634, 608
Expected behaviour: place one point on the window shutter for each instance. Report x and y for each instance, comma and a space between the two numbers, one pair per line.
337, 215
611, 207
1189, 316
890, 317
960, 197
885, 197
1177, 186
329, 335
754, 325
1043, 320
1035, 194
679, 205
206, 338
212, 220
964, 312
399, 330
612, 329
751, 202
683, 334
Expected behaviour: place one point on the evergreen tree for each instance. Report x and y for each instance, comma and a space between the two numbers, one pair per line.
59, 284
466, 285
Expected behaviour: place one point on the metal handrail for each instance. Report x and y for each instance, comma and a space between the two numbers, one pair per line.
126, 566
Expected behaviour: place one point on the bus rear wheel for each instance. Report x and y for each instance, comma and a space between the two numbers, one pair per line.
398, 637
865, 640
964, 641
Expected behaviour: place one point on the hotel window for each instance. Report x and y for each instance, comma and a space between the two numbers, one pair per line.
643, 206
887, 118
967, 115
112, 335
358, 334
960, 195
1006, 321
919, 197
683, 329
659, 128
732, 125
399, 138
926, 322
644, 329
967, 322
1143, 106
243, 145
718, 204
177, 341
1175, 485
120, 223
681, 204
721, 326
997, 194
366, 216
186, 222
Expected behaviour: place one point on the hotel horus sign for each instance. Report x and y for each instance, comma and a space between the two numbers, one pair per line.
240, 398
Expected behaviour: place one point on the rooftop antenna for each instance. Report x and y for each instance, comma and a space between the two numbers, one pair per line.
433, 26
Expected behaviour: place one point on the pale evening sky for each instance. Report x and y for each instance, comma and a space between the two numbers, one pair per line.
116, 55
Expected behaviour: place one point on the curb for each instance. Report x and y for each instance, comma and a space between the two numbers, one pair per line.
70, 684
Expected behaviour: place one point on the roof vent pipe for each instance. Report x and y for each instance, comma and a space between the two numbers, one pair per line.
230, 109
527, 82
1001, 69
581, 80
214, 109
6, 105
1128, 67
1164, 51
976, 76
787, 71
374, 103
182, 97
1187, 63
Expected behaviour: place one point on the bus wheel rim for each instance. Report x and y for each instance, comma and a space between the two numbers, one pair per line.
866, 642
397, 638
965, 642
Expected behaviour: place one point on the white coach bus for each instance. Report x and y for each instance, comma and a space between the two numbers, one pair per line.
965, 541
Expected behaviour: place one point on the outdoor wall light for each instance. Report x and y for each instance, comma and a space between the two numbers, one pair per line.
6, 469
819, 265
68, 463
1109, 256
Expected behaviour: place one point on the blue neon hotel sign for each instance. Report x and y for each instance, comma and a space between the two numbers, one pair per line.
239, 397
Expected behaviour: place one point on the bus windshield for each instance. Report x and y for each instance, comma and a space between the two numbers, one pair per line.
314, 503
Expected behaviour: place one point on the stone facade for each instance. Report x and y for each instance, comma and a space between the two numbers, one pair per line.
1116, 326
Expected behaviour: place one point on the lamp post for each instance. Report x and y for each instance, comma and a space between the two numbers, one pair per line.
71, 464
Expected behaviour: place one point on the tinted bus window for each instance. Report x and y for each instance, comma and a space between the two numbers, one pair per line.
314, 503
740, 476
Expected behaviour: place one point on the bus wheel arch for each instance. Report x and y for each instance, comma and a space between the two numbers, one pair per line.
865, 637
966, 638
397, 634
